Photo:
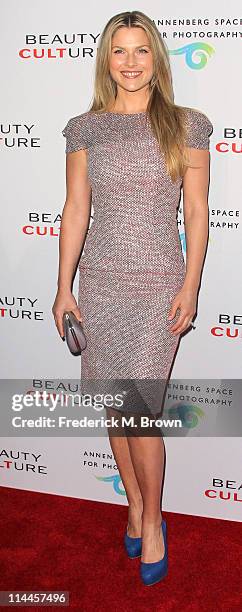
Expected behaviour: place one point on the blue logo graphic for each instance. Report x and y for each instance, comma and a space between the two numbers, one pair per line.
187, 413
199, 50
116, 480
182, 237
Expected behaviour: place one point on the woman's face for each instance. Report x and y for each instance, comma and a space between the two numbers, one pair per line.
131, 61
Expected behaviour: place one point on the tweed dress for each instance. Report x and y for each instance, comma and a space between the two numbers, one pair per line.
132, 264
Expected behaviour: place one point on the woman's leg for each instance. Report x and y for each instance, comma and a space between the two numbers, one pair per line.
120, 448
147, 455
140, 462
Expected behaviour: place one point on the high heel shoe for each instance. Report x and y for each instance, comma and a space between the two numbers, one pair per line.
154, 572
132, 546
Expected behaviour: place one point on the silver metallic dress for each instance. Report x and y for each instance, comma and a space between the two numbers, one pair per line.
132, 264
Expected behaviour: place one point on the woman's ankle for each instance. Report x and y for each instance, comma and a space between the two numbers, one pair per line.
152, 519
135, 518
136, 505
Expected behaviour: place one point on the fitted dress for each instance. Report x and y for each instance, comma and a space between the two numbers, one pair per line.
132, 264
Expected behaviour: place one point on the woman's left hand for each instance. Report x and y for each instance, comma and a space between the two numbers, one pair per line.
186, 301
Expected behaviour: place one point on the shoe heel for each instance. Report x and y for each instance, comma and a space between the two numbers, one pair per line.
151, 573
132, 546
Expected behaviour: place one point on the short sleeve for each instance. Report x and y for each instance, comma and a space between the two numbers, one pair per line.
199, 129
75, 133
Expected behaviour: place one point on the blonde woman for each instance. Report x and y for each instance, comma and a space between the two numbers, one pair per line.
130, 155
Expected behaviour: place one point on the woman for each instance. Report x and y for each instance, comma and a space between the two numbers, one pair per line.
129, 155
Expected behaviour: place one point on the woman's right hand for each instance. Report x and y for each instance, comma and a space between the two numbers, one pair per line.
64, 302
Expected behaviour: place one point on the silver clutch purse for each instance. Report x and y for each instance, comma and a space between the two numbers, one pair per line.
74, 333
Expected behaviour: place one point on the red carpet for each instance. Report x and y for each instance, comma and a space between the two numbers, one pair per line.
50, 542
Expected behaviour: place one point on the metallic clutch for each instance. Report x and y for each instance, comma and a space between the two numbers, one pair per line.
74, 334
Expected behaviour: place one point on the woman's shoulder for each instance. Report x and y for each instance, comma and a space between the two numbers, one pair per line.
86, 118
196, 116
77, 120
199, 128
77, 132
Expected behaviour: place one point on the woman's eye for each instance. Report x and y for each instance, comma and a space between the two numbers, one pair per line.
120, 51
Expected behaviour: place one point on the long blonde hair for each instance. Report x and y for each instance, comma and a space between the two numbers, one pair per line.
167, 119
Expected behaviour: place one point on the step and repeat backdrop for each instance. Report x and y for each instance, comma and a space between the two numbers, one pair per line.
48, 55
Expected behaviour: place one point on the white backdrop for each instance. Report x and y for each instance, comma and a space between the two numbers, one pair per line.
47, 60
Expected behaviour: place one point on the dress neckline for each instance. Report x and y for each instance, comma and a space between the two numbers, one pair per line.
124, 114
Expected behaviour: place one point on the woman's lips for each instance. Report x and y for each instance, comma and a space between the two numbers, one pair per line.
131, 74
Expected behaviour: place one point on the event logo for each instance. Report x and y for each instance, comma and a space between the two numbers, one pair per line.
99, 460
227, 490
229, 326
19, 136
225, 219
42, 224
230, 141
187, 413
21, 461
116, 481
182, 236
44, 46
199, 50
15, 307
45, 224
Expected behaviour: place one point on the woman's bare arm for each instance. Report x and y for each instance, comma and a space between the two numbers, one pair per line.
75, 216
195, 210
73, 230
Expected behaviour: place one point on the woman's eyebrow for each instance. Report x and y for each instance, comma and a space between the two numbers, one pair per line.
119, 46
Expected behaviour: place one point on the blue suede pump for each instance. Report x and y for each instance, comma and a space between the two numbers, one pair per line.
154, 572
133, 546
